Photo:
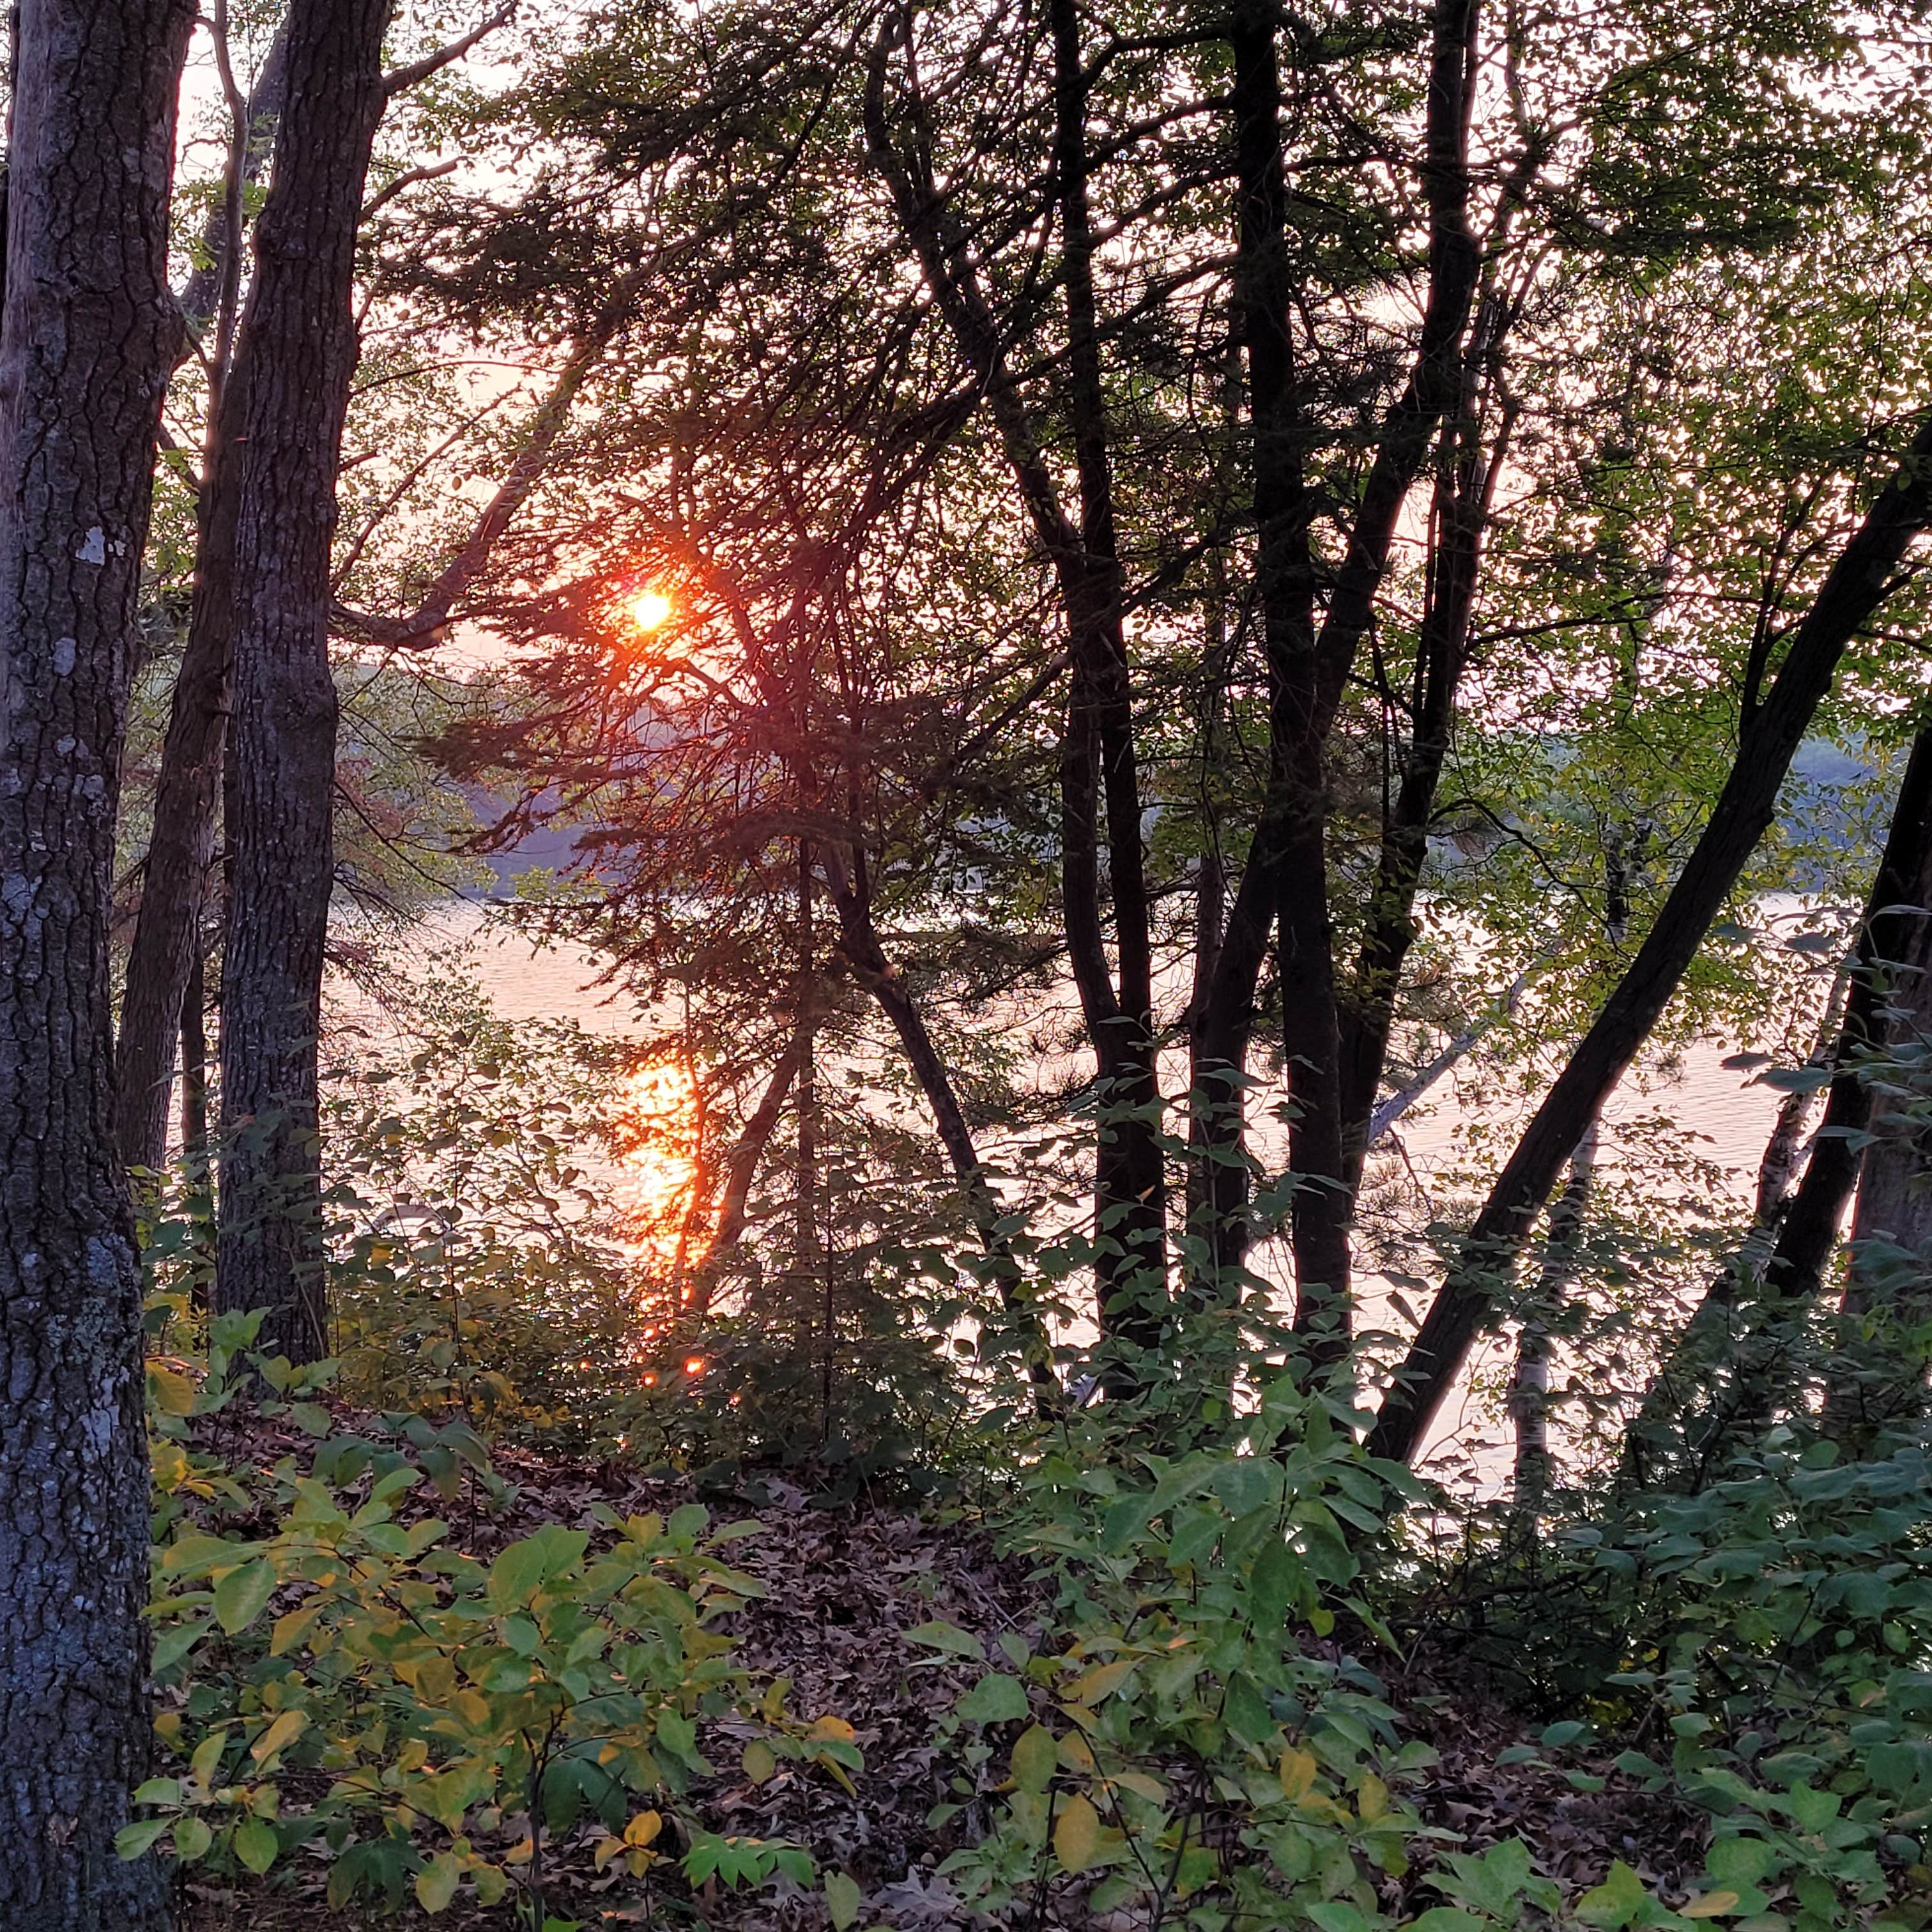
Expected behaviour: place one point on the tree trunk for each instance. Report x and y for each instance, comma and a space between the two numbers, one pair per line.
1724, 1359
859, 939
181, 848
1879, 1374
180, 845
1100, 779
1097, 773
1771, 733
1285, 881
87, 338
196, 1155
741, 1169
301, 330
807, 1251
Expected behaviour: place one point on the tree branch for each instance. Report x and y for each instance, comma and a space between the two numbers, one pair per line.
398, 80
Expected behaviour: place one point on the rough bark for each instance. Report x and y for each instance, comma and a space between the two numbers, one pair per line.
1851, 592
301, 328
87, 338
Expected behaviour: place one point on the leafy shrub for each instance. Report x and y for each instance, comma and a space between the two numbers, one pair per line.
1178, 1743
337, 1670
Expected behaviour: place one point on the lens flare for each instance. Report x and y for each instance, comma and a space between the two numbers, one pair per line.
650, 610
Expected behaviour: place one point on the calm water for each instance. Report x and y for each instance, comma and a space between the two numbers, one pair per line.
1729, 1115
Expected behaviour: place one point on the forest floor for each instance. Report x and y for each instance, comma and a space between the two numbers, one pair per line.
842, 1586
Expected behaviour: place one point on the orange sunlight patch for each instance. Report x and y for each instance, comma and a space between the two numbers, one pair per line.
658, 1123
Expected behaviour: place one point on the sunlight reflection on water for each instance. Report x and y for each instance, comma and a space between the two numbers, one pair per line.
1727, 1114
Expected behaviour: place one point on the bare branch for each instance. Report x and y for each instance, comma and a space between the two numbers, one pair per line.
398, 80
422, 628
408, 178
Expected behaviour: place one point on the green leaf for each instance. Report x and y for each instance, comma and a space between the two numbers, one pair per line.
995, 1700
677, 1734
1245, 1711
256, 1844
1812, 1810
241, 1596
1616, 1901
1737, 1862
133, 1840
843, 1899
172, 1646
1333, 1915
516, 1573
1124, 1522
1272, 1588
947, 1637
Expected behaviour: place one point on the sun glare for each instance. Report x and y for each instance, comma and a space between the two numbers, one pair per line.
650, 610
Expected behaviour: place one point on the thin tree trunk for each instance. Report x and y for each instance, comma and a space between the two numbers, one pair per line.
301, 334
1216, 1117
1716, 1327
741, 1169
180, 845
1100, 776
859, 939
1097, 768
196, 1156
1771, 733
1285, 880
1464, 498
87, 338
807, 1254
181, 848
1739, 1332
1879, 1374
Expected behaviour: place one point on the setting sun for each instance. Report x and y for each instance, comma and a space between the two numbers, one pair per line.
650, 610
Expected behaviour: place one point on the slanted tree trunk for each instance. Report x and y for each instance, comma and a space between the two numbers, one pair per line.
859, 939
1771, 732
301, 330
1727, 1361
87, 337
741, 1169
